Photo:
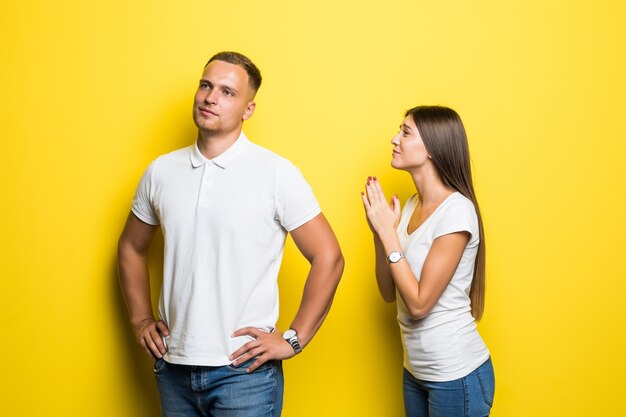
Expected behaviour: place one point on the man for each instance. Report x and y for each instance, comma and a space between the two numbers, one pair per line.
225, 206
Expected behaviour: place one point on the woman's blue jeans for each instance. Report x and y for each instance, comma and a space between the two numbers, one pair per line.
470, 396
220, 391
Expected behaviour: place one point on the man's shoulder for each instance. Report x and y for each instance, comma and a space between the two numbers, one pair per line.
176, 155
264, 156
172, 159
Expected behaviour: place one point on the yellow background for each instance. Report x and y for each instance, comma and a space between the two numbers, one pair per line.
93, 91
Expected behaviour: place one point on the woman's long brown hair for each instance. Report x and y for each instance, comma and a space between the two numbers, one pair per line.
444, 136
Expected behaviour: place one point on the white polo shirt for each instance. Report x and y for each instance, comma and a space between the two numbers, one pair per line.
224, 224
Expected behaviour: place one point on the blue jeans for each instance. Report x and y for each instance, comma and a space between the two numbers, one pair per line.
470, 396
220, 391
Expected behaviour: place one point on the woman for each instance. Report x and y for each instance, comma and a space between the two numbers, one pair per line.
430, 258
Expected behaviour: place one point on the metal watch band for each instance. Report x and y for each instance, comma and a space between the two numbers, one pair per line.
292, 338
295, 344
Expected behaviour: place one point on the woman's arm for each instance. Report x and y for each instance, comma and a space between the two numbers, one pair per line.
386, 286
441, 262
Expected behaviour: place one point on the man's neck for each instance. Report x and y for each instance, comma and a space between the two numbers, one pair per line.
212, 145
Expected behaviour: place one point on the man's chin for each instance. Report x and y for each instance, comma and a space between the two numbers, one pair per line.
205, 125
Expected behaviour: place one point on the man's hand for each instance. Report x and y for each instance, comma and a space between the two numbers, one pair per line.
148, 333
265, 346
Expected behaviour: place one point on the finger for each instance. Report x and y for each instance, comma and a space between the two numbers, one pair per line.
370, 191
142, 343
380, 194
163, 328
375, 191
247, 331
245, 348
260, 361
157, 339
154, 350
395, 205
366, 203
248, 355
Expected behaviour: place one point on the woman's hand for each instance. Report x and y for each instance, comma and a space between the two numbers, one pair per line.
382, 217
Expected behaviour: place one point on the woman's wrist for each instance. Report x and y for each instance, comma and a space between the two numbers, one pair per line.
390, 242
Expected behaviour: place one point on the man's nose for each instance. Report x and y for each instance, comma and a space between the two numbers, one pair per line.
211, 96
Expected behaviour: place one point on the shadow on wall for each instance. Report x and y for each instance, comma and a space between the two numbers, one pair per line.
134, 360
175, 130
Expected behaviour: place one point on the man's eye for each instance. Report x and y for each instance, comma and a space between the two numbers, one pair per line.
228, 93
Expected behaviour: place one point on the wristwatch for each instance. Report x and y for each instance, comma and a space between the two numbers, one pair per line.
292, 337
394, 257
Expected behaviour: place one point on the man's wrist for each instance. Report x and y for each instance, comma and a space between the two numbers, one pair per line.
291, 337
139, 322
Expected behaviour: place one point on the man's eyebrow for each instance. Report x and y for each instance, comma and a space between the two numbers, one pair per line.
225, 86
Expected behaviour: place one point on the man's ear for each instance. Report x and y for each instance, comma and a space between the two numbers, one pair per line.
249, 110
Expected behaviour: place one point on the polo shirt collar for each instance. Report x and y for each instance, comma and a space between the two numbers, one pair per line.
225, 158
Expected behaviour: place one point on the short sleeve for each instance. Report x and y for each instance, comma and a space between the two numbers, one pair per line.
295, 202
142, 206
459, 216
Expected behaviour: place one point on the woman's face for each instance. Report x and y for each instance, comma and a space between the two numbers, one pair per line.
409, 151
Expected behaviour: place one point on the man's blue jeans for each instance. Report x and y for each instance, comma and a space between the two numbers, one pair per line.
220, 391
470, 396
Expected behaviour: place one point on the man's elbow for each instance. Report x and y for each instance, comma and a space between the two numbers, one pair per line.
337, 263
389, 298
333, 261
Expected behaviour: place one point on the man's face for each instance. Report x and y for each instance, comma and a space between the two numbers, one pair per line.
224, 98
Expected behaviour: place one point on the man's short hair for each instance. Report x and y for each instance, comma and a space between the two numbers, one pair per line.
254, 75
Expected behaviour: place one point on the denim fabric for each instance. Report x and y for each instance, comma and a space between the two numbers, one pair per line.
470, 396
220, 391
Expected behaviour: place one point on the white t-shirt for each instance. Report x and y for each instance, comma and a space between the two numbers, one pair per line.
444, 345
224, 224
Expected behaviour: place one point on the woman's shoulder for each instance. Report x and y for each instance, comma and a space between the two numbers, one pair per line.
458, 202
458, 209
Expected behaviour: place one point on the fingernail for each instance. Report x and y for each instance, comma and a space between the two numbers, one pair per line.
362, 193
375, 179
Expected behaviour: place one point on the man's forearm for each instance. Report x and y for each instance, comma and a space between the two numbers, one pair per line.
135, 283
317, 298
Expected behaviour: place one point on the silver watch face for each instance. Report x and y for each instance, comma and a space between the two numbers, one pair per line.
289, 334
394, 257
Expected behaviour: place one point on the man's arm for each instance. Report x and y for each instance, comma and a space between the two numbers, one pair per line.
132, 253
316, 241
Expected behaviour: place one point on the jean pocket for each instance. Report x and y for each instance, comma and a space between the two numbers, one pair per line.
242, 367
159, 366
487, 382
